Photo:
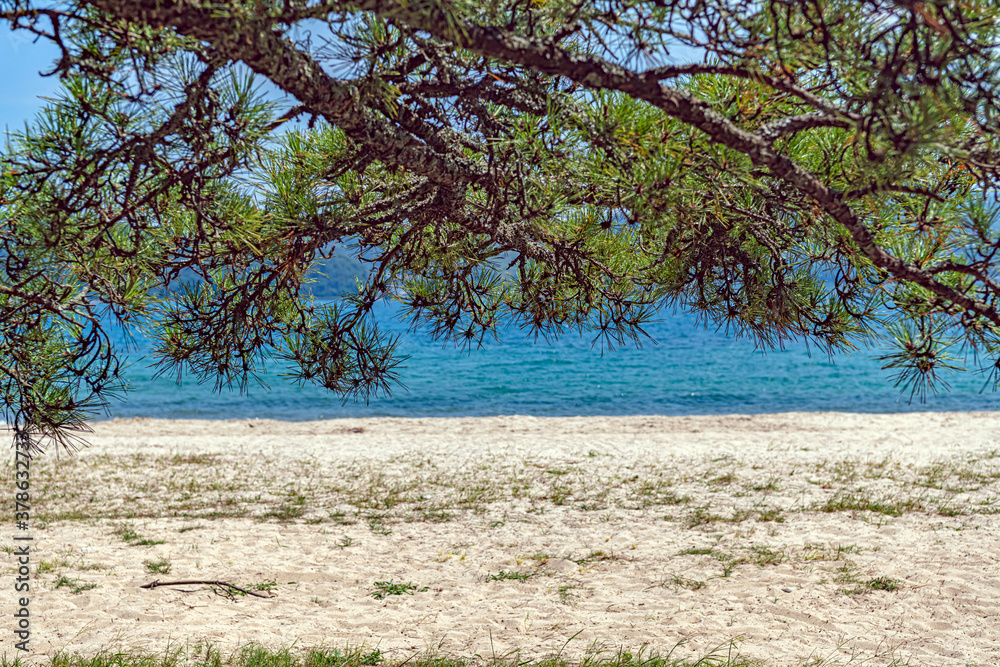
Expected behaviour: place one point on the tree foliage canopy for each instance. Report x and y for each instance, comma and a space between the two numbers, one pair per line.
812, 169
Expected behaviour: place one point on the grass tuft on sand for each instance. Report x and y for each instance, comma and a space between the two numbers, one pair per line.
255, 655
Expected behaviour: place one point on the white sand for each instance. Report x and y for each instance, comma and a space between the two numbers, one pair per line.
554, 493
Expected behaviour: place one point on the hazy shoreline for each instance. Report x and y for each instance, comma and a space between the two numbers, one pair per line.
846, 433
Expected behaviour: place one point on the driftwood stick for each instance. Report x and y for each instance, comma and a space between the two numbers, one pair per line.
223, 584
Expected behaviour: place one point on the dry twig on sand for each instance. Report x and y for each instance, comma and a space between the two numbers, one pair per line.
226, 587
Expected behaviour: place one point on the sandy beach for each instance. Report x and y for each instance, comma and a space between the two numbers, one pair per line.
802, 538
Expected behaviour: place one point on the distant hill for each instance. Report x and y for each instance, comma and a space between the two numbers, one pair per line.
334, 277
331, 277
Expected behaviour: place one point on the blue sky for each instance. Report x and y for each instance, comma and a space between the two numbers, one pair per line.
20, 64
21, 60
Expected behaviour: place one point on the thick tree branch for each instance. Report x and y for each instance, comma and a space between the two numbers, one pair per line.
783, 127
777, 83
236, 33
950, 266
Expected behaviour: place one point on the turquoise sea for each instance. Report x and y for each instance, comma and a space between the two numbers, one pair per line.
688, 370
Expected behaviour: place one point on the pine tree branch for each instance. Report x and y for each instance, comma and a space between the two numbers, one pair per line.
235, 32
777, 83
595, 72
783, 127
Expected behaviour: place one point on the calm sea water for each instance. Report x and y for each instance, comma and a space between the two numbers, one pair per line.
691, 371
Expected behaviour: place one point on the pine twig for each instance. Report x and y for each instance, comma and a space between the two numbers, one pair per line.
229, 588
